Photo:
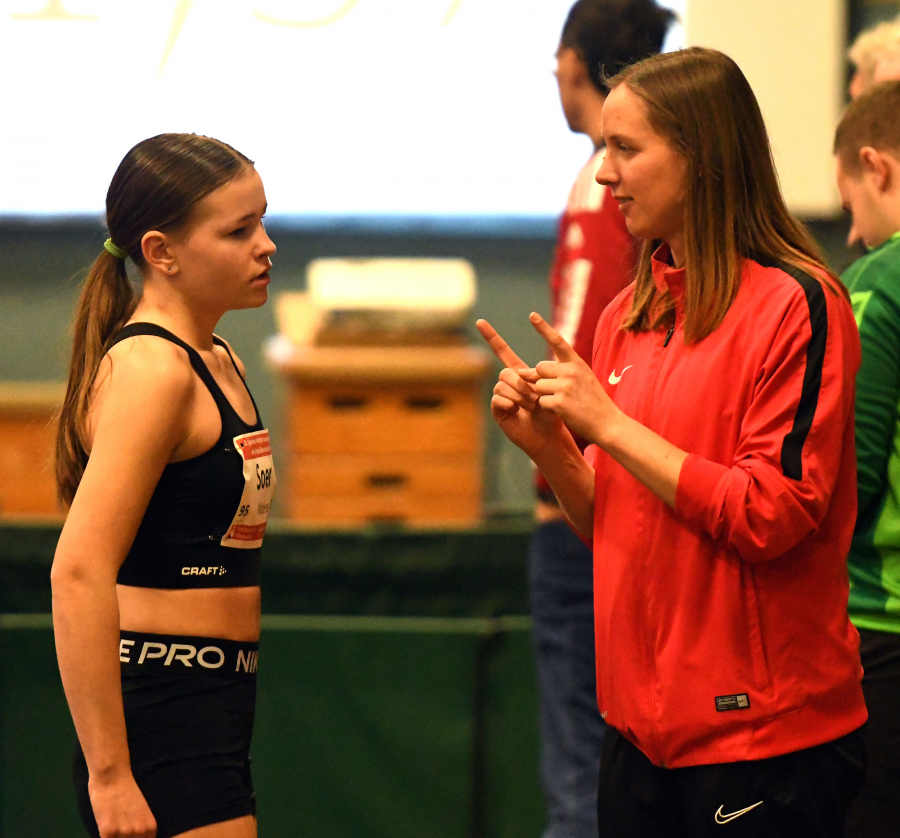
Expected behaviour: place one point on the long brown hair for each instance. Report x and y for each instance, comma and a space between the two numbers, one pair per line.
156, 186
700, 101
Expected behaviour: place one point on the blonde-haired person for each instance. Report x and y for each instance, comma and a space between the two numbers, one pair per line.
719, 489
875, 54
165, 465
867, 151
888, 66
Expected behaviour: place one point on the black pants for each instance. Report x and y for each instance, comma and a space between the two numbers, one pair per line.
876, 811
804, 794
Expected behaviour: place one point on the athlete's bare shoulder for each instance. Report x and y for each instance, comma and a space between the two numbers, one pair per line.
144, 380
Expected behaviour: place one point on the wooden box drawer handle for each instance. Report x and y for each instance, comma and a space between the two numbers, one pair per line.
347, 402
386, 481
424, 402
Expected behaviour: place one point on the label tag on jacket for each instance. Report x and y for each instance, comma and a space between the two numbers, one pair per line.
732, 702
249, 523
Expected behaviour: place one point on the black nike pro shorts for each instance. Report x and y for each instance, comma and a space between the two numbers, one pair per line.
189, 705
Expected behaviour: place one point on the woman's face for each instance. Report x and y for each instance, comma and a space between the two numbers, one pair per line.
647, 175
223, 257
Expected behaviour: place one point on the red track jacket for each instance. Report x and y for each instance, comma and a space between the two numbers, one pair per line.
721, 627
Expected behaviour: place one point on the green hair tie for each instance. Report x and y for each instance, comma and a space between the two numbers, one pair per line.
116, 251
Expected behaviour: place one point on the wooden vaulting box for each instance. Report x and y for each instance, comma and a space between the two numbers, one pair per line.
27, 412
384, 434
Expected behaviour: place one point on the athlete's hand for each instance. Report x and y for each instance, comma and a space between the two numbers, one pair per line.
514, 404
568, 388
120, 808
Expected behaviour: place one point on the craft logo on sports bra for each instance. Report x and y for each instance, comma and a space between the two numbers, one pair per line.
249, 522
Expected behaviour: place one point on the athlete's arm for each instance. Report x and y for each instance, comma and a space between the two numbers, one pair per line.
137, 424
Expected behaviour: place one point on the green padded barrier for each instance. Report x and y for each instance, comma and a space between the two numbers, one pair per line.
515, 802
366, 726
36, 735
376, 571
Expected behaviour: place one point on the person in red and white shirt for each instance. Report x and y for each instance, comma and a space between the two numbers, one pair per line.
719, 486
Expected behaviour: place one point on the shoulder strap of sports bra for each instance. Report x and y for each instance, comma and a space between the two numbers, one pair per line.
217, 340
133, 329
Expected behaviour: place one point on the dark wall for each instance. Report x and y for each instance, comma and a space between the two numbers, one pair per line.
41, 263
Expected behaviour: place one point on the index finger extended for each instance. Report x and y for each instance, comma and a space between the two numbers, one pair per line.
499, 347
560, 346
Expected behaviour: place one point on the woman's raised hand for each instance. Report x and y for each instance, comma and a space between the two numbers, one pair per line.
568, 388
515, 405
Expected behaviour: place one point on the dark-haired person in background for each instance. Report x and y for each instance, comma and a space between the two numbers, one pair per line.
719, 488
165, 465
867, 149
595, 260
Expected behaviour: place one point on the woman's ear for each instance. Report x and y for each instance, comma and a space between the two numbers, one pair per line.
157, 251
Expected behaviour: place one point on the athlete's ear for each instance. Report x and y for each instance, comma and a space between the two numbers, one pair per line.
158, 254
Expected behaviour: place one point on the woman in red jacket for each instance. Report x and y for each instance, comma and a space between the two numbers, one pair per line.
719, 489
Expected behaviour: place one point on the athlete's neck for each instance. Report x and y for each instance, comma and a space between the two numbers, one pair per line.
193, 327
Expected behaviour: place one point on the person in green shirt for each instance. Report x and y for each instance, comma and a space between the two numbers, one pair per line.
867, 151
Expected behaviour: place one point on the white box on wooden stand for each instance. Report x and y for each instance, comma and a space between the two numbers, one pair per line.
388, 426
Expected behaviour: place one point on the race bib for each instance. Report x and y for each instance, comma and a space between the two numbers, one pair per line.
249, 523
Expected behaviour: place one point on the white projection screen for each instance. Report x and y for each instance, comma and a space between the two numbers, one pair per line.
388, 108
792, 52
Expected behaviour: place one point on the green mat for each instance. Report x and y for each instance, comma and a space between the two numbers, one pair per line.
366, 726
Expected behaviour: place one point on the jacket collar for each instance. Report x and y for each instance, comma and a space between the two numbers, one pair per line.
665, 276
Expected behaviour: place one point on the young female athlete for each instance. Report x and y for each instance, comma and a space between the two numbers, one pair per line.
166, 466
719, 489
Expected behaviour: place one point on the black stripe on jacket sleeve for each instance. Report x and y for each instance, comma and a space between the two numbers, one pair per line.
792, 447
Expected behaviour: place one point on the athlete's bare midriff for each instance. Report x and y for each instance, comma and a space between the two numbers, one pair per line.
227, 613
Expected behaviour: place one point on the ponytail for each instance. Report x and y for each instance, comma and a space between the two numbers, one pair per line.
107, 302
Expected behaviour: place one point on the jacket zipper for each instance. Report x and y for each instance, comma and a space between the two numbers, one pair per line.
644, 418
654, 726
669, 335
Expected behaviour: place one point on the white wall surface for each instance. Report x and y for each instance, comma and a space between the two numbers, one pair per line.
349, 107
792, 53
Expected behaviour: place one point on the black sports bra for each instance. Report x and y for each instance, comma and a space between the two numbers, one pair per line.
205, 521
